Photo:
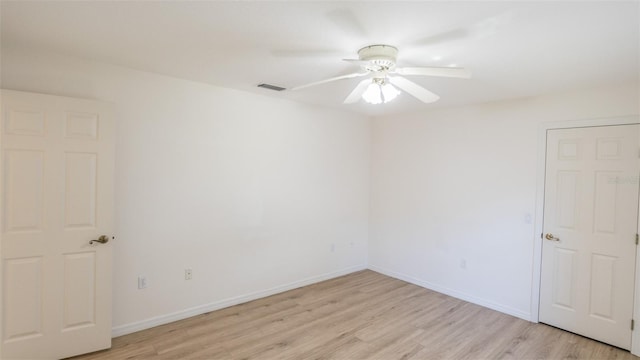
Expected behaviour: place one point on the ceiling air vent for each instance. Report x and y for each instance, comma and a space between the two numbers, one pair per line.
271, 87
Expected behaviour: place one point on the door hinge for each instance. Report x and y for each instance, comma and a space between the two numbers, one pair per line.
637, 239
632, 324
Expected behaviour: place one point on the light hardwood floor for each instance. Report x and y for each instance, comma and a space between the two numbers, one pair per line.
364, 315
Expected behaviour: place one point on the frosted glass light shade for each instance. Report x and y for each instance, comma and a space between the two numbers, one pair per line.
389, 92
377, 93
373, 94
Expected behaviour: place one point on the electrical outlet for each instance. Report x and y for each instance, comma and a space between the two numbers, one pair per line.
142, 282
463, 263
188, 274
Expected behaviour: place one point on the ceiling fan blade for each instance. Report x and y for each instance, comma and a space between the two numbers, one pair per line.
347, 21
481, 29
414, 89
490, 26
348, 76
308, 53
454, 72
357, 92
356, 61
445, 36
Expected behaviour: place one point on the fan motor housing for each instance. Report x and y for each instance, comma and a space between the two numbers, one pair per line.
381, 57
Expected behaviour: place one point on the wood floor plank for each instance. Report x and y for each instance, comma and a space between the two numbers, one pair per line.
364, 315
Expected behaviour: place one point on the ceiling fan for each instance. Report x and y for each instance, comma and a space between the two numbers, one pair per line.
378, 64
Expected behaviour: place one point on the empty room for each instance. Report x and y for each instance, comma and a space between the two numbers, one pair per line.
319, 180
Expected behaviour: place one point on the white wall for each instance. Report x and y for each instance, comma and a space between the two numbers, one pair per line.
456, 187
248, 191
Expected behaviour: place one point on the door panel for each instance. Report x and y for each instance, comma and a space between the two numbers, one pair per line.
602, 286
23, 295
591, 209
24, 174
563, 278
605, 209
80, 190
57, 195
79, 290
567, 190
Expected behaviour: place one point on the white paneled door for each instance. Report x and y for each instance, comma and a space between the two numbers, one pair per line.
590, 226
57, 196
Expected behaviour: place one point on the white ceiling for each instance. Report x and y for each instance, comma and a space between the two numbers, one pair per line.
514, 49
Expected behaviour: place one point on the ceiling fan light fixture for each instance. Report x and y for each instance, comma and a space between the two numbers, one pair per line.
386, 81
373, 94
389, 92
379, 91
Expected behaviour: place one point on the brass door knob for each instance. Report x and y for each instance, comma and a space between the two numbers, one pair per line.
102, 240
551, 237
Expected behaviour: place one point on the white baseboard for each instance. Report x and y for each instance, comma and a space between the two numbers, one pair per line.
201, 309
456, 294
217, 305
